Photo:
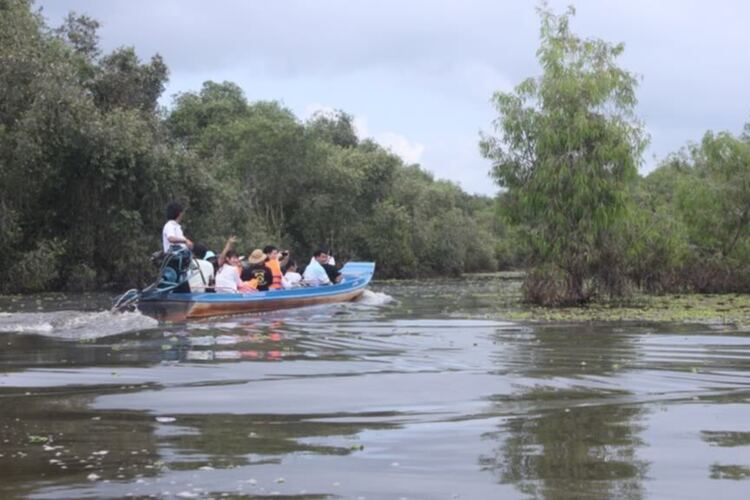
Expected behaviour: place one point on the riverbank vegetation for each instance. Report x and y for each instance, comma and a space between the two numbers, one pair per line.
89, 158
567, 148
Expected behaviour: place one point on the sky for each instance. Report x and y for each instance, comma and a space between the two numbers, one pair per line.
418, 75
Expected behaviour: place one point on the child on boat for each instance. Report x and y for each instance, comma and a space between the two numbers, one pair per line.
291, 279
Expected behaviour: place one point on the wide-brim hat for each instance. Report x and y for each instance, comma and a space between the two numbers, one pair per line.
256, 257
209, 255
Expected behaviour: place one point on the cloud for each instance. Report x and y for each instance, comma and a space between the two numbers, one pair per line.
410, 152
298, 37
398, 144
360, 125
425, 69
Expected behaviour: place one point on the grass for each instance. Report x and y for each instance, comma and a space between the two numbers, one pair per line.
720, 309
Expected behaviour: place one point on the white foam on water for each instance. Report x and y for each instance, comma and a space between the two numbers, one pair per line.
75, 325
370, 298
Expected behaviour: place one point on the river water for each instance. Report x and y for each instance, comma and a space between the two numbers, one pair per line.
420, 390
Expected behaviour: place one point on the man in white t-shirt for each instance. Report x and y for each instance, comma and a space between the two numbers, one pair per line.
172, 232
331, 261
315, 274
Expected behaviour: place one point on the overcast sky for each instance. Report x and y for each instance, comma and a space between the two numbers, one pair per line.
418, 75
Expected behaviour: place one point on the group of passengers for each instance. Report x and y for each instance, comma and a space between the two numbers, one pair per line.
261, 270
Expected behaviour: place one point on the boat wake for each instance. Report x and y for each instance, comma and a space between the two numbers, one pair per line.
370, 298
75, 325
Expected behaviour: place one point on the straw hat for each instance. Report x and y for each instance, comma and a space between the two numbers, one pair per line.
256, 257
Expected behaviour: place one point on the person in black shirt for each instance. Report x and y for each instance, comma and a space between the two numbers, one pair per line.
257, 270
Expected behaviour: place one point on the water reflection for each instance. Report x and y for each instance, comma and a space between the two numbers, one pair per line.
587, 452
54, 439
254, 344
735, 472
568, 435
727, 439
54, 444
225, 440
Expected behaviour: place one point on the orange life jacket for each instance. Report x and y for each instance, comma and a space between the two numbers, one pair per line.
275, 268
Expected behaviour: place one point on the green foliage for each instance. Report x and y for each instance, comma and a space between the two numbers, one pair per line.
79, 32
83, 163
123, 82
389, 241
216, 105
335, 128
36, 270
714, 197
703, 193
303, 184
655, 249
567, 152
88, 161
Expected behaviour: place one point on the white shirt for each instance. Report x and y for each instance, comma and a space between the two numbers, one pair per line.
171, 228
316, 275
291, 280
197, 281
227, 279
331, 260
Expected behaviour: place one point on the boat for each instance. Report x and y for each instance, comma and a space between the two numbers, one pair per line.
168, 305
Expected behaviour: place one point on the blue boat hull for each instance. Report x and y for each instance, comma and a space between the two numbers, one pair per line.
183, 306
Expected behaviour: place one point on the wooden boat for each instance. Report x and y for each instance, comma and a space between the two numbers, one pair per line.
170, 306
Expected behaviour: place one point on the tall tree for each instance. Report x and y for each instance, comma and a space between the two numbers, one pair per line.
569, 145
334, 127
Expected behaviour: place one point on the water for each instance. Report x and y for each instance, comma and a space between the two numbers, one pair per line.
420, 390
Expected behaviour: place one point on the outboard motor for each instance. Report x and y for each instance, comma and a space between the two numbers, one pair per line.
174, 271
173, 278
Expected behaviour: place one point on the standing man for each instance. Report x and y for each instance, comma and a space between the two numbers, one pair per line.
172, 232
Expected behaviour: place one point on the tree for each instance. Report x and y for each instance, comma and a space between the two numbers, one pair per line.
703, 193
88, 162
336, 128
80, 33
216, 105
717, 203
123, 82
568, 148
84, 170
389, 242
